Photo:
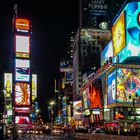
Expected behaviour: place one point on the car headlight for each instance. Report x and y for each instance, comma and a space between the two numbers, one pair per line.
9, 131
19, 131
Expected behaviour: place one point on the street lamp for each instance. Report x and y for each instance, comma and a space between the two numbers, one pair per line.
52, 111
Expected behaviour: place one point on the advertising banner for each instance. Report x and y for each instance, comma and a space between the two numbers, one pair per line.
34, 86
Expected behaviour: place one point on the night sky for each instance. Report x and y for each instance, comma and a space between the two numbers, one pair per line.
52, 23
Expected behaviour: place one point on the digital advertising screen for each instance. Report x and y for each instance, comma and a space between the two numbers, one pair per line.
94, 96
107, 53
85, 99
132, 48
118, 34
111, 82
22, 119
22, 109
8, 84
22, 46
21, 23
34, 86
22, 94
22, 72
77, 109
128, 85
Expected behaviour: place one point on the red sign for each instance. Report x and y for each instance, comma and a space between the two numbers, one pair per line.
139, 18
22, 24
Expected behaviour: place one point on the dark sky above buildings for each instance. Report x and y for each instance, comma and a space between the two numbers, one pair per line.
52, 23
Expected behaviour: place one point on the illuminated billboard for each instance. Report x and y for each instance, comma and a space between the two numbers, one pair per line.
22, 24
34, 86
8, 84
85, 99
22, 46
22, 70
132, 49
22, 94
118, 34
22, 109
128, 85
22, 119
111, 81
77, 109
107, 53
94, 96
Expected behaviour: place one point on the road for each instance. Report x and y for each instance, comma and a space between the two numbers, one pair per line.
43, 137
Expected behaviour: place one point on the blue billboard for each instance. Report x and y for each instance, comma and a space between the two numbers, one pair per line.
132, 30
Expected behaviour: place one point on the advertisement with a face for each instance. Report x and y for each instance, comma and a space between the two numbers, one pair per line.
128, 85
22, 94
22, 70
111, 81
22, 46
85, 99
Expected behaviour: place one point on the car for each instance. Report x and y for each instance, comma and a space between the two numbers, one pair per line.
56, 131
98, 130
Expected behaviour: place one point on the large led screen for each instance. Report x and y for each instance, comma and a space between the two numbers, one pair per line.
118, 35
85, 99
22, 46
22, 70
132, 48
111, 81
22, 109
22, 119
22, 94
94, 96
128, 85
77, 109
8, 84
22, 24
34, 86
107, 53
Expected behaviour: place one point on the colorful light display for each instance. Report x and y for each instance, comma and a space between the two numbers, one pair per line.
21, 119
22, 70
22, 94
111, 81
118, 35
34, 86
128, 85
22, 46
77, 109
21, 23
132, 29
8, 83
107, 53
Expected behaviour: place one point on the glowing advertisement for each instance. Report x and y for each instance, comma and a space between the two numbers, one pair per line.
34, 86
22, 109
77, 109
22, 24
132, 48
118, 35
22, 94
107, 53
8, 84
128, 85
94, 96
21, 119
22, 70
22, 46
85, 100
111, 80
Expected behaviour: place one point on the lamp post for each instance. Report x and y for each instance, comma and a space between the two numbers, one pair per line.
52, 112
